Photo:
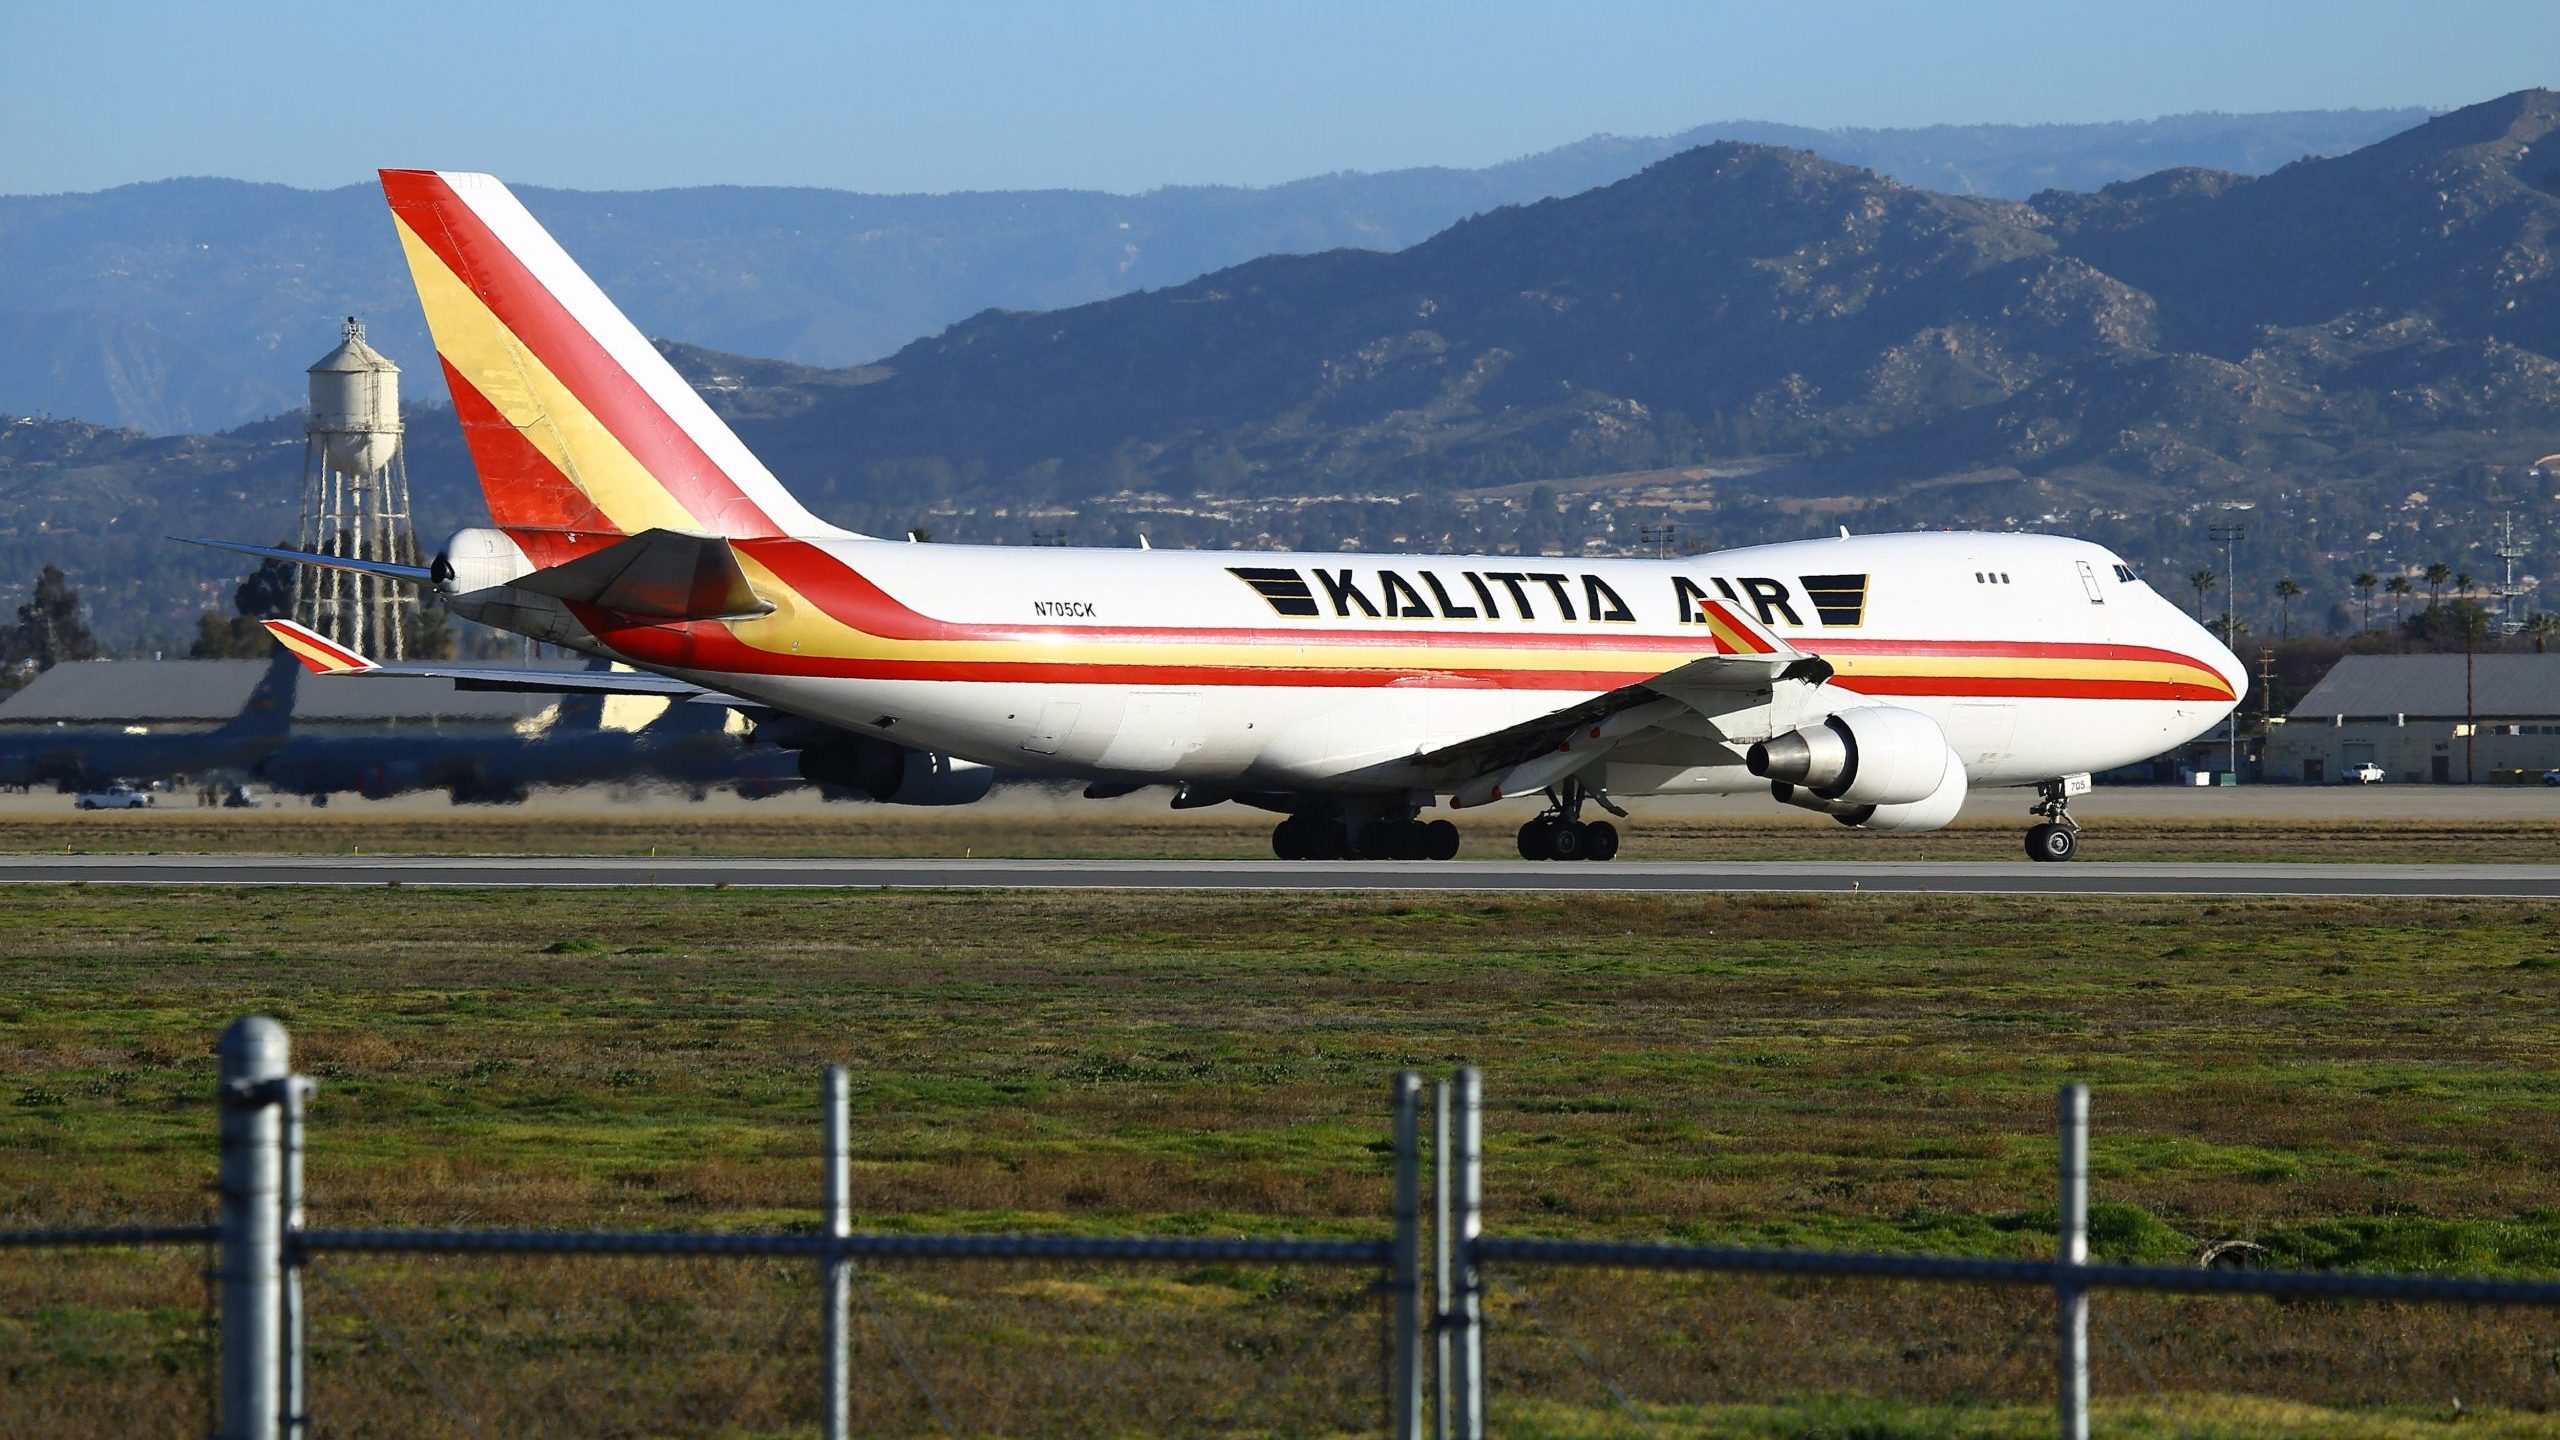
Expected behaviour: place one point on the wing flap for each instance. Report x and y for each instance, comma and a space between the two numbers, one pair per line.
1749, 661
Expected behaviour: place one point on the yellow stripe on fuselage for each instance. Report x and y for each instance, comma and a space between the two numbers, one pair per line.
799, 627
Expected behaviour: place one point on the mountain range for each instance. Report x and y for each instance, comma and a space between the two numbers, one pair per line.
192, 305
2356, 359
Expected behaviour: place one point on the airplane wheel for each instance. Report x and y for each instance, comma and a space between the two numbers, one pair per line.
1325, 841
1440, 841
1565, 841
2051, 842
1378, 840
1599, 841
1533, 840
1413, 841
1289, 840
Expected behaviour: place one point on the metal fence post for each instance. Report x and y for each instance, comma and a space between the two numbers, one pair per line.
294, 1094
250, 1227
1440, 1258
2071, 1299
836, 1286
1466, 1317
1405, 1288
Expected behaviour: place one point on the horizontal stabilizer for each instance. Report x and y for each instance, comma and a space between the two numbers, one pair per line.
323, 656
319, 654
656, 575
414, 574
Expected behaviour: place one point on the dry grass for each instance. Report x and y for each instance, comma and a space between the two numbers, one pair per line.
1140, 830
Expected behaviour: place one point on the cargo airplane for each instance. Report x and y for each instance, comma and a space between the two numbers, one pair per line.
1871, 678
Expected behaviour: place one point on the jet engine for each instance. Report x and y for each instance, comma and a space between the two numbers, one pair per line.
1935, 811
894, 774
1872, 755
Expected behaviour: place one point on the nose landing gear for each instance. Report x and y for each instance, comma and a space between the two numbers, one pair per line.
2058, 838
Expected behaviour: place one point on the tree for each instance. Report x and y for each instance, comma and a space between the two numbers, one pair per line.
2398, 589
2203, 580
49, 629
265, 594
2544, 627
2437, 574
2364, 583
2286, 593
430, 633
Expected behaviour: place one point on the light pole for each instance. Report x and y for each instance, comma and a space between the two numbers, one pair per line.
2228, 537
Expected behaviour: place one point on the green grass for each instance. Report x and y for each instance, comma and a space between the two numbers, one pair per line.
1135, 829
2350, 1084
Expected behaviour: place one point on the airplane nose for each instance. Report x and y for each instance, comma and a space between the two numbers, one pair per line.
2211, 650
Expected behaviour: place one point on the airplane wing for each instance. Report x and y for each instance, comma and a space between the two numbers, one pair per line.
323, 656
1748, 660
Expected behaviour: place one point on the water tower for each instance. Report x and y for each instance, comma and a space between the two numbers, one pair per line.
355, 500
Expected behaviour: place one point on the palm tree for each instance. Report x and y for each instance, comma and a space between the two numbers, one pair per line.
2437, 574
2286, 592
2203, 580
2364, 583
2398, 589
2544, 627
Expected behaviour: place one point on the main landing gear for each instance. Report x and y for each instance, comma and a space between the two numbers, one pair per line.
1319, 835
2058, 838
1562, 834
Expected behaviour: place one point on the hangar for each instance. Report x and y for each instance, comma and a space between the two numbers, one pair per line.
179, 696
2439, 719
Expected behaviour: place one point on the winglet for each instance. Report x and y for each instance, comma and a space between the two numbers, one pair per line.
1735, 635
319, 654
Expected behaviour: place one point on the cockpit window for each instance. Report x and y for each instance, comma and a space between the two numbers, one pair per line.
2125, 574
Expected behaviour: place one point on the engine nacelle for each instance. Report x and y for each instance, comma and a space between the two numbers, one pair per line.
1936, 812
1872, 755
894, 774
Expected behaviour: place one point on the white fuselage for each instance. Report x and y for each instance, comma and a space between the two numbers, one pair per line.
2038, 656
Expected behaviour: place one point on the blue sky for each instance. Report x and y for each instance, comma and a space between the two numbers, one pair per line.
1121, 95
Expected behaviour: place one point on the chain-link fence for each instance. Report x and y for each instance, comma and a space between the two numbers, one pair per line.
263, 1326
554, 1345
1612, 1352
108, 1340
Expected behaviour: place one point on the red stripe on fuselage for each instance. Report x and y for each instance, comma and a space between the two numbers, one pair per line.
708, 648
467, 246
847, 595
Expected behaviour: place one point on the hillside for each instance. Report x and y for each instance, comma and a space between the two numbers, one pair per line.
2353, 357
194, 304
1738, 301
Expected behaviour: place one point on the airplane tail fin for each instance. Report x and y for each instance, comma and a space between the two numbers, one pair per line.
574, 419
270, 707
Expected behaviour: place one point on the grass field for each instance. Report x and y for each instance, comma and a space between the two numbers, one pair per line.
2369, 1084
1143, 829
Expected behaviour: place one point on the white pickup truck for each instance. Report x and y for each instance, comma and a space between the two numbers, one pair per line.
2367, 773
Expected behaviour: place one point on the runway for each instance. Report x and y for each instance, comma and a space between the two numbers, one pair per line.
2536, 882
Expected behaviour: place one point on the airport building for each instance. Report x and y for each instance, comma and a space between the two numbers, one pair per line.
2423, 719
179, 696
